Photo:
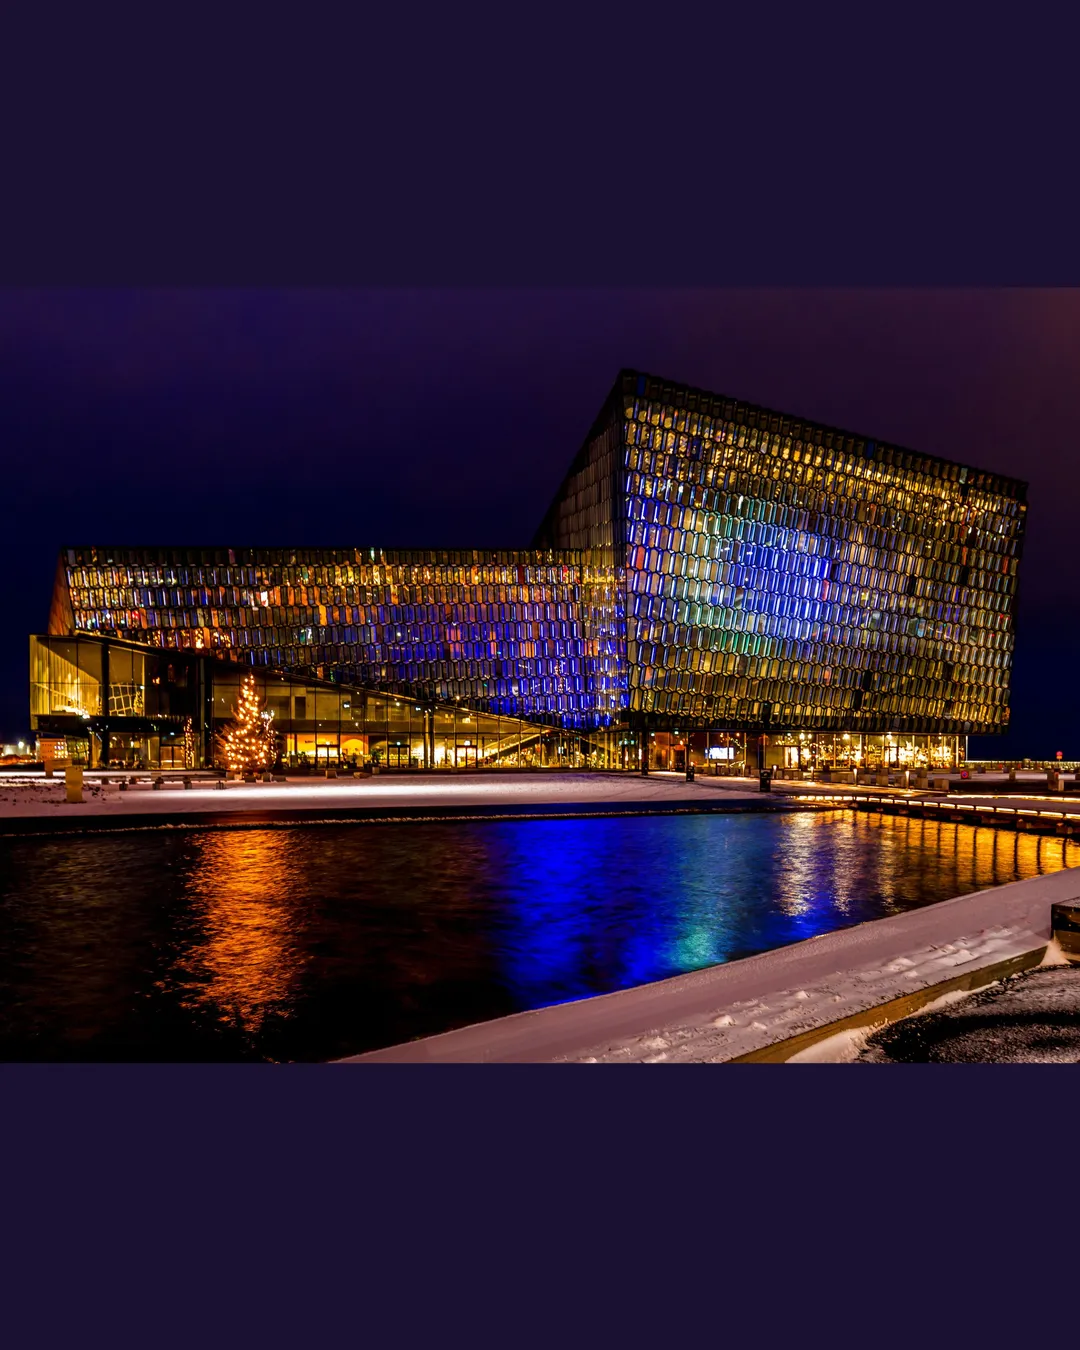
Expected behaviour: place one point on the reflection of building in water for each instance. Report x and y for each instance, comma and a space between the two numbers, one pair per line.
812, 876
711, 576
248, 959
979, 858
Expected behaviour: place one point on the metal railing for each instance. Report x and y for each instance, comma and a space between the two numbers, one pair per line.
923, 806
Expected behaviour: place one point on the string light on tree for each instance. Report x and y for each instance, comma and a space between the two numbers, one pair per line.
249, 744
189, 743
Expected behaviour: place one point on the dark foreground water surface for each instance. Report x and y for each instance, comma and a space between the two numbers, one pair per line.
316, 942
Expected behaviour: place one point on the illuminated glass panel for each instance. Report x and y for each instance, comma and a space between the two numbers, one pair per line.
831, 581
524, 633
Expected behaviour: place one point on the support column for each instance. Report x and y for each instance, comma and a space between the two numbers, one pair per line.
206, 703
105, 704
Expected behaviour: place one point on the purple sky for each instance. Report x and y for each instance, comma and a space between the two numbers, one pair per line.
432, 418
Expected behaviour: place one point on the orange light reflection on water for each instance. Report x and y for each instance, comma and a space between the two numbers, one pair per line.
250, 960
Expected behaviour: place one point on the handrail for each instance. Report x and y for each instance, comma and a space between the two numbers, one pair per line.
1002, 814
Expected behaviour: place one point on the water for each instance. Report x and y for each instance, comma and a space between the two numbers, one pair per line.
313, 943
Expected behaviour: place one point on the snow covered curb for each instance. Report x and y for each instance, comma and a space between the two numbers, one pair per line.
843, 1046
770, 1006
1015, 952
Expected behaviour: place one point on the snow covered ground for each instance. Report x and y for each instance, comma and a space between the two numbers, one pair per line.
23, 797
745, 1007
33, 796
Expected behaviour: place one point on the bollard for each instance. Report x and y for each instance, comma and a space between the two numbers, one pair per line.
73, 782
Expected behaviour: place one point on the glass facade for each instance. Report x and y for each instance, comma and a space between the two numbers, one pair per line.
323, 724
783, 575
113, 700
528, 634
103, 701
706, 566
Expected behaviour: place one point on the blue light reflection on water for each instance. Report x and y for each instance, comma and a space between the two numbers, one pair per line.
313, 943
586, 914
584, 910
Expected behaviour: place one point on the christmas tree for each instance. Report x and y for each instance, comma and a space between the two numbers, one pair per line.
248, 743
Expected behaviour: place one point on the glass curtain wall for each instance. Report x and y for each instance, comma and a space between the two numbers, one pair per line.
65, 678
321, 726
786, 574
104, 703
812, 750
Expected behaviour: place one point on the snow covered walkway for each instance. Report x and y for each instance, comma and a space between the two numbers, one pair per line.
24, 798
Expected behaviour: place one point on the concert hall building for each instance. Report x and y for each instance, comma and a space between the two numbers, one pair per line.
712, 580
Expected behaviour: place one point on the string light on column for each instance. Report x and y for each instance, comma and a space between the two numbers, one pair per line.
189, 743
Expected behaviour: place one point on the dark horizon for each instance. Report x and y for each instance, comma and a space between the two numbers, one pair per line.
441, 419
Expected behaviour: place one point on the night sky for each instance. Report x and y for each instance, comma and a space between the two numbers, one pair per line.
439, 418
